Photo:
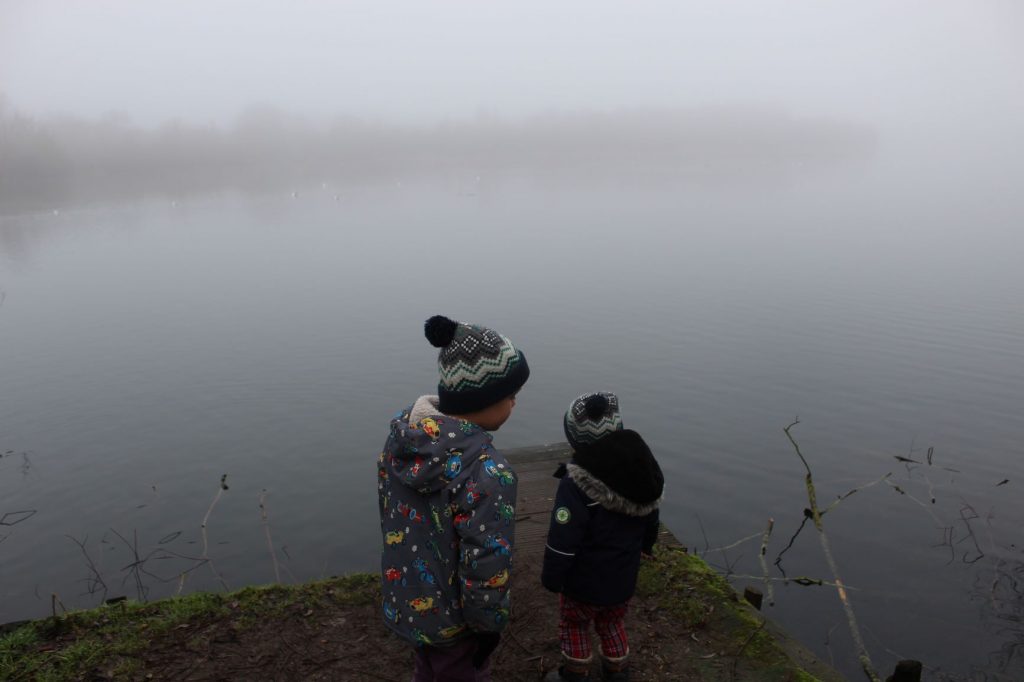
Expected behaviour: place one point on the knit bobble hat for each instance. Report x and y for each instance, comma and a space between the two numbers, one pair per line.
477, 366
590, 417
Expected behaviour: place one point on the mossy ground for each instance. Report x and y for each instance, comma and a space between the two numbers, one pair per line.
685, 624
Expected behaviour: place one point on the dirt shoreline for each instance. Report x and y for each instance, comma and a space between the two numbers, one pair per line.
685, 623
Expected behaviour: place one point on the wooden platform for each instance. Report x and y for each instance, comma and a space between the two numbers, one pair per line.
534, 467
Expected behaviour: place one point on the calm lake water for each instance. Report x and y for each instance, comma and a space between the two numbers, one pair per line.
148, 348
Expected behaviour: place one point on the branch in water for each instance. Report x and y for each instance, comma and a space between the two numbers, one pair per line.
851, 619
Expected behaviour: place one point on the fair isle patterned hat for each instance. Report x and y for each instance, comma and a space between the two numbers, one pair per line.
478, 366
590, 417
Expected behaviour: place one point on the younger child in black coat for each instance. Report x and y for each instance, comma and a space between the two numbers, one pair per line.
605, 516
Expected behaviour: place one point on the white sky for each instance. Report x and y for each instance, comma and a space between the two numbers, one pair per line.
887, 62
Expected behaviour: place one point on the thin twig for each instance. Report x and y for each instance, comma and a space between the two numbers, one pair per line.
970, 534
726, 569
828, 644
266, 531
764, 564
801, 580
206, 519
733, 545
855, 490
96, 581
778, 557
924, 506
703, 533
133, 568
54, 600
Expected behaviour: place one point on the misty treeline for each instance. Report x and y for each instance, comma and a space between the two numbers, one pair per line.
60, 158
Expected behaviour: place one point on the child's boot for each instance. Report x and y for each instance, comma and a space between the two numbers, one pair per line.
571, 670
615, 669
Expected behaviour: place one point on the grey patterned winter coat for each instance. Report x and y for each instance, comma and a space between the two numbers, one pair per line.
447, 517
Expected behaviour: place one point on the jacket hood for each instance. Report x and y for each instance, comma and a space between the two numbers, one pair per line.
620, 472
418, 459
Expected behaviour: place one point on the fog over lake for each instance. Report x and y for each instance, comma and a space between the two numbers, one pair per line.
222, 227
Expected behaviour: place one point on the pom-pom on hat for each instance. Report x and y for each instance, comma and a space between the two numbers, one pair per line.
477, 366
590, 417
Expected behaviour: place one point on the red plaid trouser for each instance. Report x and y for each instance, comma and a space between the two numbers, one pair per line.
609, 622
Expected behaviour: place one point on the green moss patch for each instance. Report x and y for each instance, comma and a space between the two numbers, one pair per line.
733, 638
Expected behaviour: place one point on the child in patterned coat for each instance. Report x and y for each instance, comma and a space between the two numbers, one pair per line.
447, 506
605, 517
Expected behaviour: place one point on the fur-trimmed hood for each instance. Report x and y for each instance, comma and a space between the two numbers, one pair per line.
620, 472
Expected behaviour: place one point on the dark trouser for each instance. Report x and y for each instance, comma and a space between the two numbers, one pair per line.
450, 663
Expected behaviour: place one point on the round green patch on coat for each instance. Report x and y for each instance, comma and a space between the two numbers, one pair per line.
562, 515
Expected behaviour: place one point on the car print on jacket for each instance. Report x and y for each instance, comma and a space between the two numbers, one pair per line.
410, 513
425, 575
447, 526
499, 544
453, 631
505, 478
453, 463
506, 513
422, 605
498, 580
432, 428
393, 575
473, 494
391, 614
463, 520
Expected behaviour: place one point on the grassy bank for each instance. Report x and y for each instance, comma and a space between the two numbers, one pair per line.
112, 641
686, 624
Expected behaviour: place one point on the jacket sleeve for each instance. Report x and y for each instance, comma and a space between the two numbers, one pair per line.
486, 536
651, 531
568, 528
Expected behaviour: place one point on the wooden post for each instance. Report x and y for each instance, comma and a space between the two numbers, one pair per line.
906, 671
754, 596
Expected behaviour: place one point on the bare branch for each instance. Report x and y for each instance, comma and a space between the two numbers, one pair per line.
865, 659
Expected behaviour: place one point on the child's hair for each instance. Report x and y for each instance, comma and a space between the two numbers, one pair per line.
478, 366
590, 417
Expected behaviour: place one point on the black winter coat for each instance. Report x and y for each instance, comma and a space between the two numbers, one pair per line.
605, 515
